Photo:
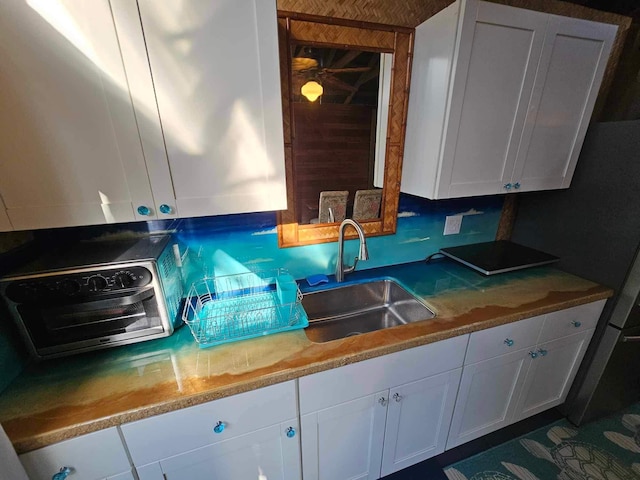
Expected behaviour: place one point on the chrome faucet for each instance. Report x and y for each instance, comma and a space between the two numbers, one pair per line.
363, 254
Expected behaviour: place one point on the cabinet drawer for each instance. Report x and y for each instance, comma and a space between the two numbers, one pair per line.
177, 432
503, 339
94, 456
324, 389
572, 320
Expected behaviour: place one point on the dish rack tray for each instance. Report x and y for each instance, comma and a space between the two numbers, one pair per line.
228, 308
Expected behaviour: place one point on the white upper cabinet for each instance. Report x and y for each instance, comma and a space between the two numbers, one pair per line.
572, 64
115, 111
70, 152
500, 99
215, 73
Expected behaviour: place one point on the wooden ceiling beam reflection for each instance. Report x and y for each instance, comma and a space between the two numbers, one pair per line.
339, 84
346, 59
365, 77
330, 57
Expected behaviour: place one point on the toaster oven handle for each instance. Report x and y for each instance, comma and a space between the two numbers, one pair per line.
140, 296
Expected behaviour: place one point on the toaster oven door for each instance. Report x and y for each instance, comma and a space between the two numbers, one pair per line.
104, 321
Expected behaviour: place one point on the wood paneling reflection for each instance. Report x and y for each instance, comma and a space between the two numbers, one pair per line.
332, 151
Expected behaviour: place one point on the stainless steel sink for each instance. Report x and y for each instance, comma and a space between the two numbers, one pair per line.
360, 308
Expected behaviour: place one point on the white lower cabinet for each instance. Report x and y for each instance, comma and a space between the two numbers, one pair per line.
264, 454
551, 373
361, 421
345, 441
418, 420
253, 435
95, 456
372, 418
508, 387
486, 398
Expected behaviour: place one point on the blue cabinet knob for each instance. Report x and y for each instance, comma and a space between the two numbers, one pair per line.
62, 474
576, 323
542, 352
516, 185
507, 186
533, 354
219, 428
291, 432
144, 210
164, 208
508, 342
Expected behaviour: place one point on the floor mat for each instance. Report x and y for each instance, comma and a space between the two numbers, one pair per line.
607, 449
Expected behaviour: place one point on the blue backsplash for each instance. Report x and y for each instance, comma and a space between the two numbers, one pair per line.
229, 244
234, 243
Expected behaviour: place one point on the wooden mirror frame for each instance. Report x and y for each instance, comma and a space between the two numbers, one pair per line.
346, 34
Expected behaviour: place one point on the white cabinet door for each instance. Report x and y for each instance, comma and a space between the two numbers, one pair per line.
487, 396
551, 373
345, 441
70, 148
418, 420
572, 64
215, 70
268, 453
494, 75
94, 456
473, 72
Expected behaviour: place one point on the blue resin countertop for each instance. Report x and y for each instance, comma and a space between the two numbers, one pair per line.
64, 398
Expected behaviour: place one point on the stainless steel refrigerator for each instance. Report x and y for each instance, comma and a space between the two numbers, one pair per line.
594, 227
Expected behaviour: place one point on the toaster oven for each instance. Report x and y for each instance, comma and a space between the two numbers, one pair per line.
96, 295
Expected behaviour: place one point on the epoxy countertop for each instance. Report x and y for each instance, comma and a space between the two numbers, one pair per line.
60, 399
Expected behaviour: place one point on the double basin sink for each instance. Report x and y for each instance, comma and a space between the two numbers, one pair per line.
360, 308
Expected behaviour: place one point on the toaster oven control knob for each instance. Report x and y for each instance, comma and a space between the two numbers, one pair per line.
69, 287
96, 283
123, 279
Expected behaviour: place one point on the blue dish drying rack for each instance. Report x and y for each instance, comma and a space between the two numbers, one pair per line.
223, 309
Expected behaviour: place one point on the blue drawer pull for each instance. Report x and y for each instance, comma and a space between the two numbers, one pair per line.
576, 323
143, 210
533, 354
508, 342
164, 208
219, 428
291, 432
62, 474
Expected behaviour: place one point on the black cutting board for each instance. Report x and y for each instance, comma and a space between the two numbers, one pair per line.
500, 256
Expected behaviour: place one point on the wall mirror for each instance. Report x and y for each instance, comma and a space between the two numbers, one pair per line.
344, 95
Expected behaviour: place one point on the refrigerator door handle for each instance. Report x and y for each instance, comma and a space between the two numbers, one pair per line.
630, 338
